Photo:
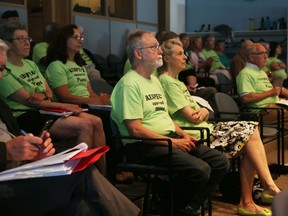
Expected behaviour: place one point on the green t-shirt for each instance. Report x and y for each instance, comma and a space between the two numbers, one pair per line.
40, 51
85, 57
28, 77
278, 73
253, 80
216, 63
71, 74
178, 97
135, 97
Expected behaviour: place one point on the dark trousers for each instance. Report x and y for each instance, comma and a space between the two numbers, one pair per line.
205, 168
85, 193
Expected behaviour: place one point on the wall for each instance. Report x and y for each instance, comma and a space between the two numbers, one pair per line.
177, 15
104, 36
21, 11
234, 13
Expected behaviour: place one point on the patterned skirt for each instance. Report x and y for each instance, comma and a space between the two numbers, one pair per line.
230, 137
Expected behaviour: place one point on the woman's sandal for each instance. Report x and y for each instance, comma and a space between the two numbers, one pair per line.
267, 198
242, 211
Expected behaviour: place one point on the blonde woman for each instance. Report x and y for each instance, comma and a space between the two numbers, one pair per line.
233, 138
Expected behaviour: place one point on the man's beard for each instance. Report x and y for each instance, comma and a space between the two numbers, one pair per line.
158, 63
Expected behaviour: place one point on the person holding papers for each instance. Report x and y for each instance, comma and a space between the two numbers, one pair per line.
66, 73
85, 192
26, 92
233, 138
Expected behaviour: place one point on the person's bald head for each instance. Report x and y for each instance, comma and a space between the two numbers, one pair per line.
245, 44
256, 54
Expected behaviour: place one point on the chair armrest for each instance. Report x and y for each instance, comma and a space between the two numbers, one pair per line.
141, 139
202, 134
238, 116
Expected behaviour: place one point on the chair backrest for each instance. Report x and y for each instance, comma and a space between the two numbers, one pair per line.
101, 64
225, 84
101, 86
115, 132
225, 103
116, 65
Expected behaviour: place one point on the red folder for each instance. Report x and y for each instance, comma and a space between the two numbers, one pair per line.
88, 157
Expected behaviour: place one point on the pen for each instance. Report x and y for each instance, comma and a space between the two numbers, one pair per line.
37, 146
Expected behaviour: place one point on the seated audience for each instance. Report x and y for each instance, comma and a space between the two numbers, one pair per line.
40, 49
82, 193
209, 52
185, 40
87, 56
220, 49
65, 72
160, 36
277, 67
254, 86
139, 109
239, 60
234, 138
196, 75
266, 68
26, 91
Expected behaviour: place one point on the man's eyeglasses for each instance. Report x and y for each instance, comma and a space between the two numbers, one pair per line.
78, 38
259, 53
154, 47
23, 39
4, 70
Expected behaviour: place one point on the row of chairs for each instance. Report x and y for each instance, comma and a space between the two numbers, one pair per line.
228, 109
152, 172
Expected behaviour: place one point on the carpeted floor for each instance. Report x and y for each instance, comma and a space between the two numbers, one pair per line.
220, 207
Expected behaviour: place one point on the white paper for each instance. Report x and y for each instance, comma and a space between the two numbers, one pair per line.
282, 102
100, 107
51, 166
66, 114
202, 102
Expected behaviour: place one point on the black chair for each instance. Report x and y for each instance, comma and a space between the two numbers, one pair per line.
228, 109
101, 64
225, 85
101, 86
151, 172
116, 65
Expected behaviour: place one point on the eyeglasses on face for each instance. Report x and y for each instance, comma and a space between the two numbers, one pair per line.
4, 70
23, 39
78, 37
259, 53
153, 47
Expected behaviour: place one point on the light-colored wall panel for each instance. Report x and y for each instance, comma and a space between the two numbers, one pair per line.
118, 36
97, 34
147, 11
21, 11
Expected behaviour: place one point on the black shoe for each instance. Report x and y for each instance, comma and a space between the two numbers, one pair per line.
189, 210
201, 29
160, 202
